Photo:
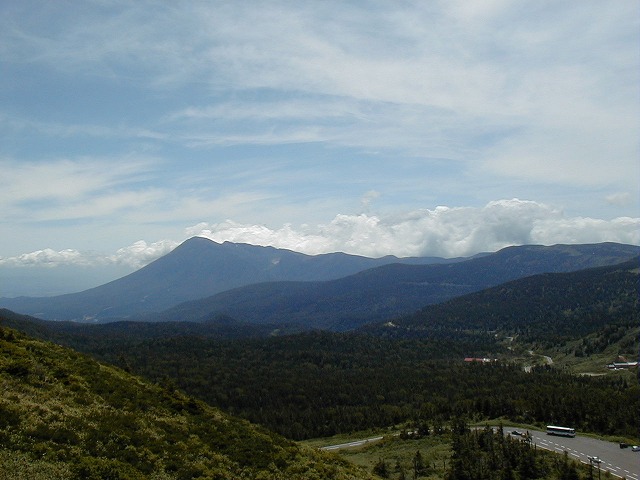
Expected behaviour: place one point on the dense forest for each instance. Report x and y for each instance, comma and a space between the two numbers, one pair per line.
66, 416
409, 372
319, 384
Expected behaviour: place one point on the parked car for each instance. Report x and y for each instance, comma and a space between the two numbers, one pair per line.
635, 448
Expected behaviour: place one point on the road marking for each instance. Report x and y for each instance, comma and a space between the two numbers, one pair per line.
356, 443
583, 458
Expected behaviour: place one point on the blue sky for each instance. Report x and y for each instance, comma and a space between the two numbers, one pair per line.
407, 128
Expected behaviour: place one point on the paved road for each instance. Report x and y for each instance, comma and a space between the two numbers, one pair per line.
621, 462
356, 443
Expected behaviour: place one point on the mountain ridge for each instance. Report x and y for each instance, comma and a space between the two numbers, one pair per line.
545, 307
294, 383
391, 290
197, 268
340, 290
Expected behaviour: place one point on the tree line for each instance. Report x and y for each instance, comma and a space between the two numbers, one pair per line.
320, 384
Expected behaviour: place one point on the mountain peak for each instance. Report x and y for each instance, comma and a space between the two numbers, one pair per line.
200, 268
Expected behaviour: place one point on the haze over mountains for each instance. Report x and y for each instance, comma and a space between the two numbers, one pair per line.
197, 268
336, 291
543, 307
390, 290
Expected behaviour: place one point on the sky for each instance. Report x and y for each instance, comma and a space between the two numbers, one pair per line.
411, 128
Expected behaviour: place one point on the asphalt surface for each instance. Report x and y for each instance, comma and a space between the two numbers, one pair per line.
621, 462
355, 443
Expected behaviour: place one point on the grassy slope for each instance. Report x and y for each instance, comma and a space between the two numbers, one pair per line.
63, 415
399, 454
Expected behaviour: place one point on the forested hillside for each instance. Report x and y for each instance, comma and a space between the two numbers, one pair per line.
321, 383
546, 309
408, 370
65, 416
83, 336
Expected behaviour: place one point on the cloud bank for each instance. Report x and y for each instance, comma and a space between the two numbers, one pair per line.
136, 256
442, 231
129, 120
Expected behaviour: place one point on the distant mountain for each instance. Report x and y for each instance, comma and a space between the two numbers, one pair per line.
197, 268
391, 290
85, 336
550, 307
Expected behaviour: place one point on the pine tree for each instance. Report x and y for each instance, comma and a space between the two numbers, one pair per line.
418, 464
381, 469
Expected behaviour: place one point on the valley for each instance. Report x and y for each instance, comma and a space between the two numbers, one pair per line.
327, 359
319, 240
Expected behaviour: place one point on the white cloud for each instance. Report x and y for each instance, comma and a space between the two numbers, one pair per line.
73, 130
142, 253
136, 255
367, 199
61, 179
532, 102
68, 189
48, 258
619, 198
442, 231
523, 89
288, 111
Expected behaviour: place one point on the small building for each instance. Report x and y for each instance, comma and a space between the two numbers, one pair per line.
479, 360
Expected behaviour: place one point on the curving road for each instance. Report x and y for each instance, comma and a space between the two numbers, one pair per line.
355, 443
621, 462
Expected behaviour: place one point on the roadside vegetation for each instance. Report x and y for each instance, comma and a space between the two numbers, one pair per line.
460, 452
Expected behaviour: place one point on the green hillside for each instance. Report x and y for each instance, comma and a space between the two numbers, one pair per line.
408, 371
550, 309
63, 415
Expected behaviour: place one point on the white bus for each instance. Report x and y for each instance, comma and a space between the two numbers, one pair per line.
562, 431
